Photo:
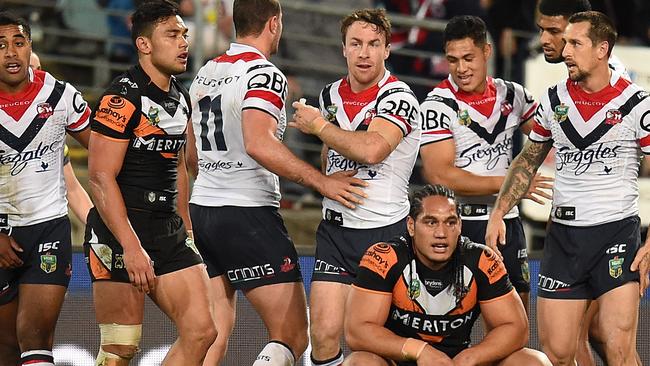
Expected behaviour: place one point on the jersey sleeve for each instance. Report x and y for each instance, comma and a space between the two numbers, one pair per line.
643, 124
527, 103
399, 106
265, 89
437, 113
542, 120
379, 269
78, 110
491, 277
117, 113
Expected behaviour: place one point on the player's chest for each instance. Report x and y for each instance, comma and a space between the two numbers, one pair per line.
25, 124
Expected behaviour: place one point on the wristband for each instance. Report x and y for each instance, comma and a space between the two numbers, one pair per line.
322, 127
412, 349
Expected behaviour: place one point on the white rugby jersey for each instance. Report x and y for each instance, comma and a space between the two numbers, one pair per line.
482, 126
598, 140
240, 79
387, 189
33, 126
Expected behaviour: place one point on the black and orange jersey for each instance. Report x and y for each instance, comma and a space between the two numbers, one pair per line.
424, 303
154, 122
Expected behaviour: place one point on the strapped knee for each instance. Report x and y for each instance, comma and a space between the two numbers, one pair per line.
118, 335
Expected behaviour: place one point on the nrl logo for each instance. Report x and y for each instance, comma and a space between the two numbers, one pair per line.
153, 117
560, 113
616, 267
463, 118
414, 288
331, 112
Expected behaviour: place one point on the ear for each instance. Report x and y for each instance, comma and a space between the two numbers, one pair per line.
387, 51
602, 50
345, 53
487, 51
274, 24
410, 226
143, 44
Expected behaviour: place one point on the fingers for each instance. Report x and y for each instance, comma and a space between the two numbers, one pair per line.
15, 245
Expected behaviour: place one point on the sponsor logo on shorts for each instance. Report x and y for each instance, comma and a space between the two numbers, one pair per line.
251, 273
105, 254
549, 284
119, 261
616, 248
44, 247
616, 267
522, 253
325, 268
48, 263
287, 265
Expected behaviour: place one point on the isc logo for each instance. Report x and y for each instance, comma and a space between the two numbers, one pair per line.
44, 247
616, 248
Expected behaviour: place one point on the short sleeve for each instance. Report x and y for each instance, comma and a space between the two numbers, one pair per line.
78, 112
399, 106
643, 124
379, 269
116, 115
492, 279
437, 113
541, 131
528, 105
265, 89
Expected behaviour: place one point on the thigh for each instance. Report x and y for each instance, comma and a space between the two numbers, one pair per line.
282, 298
558, 324
526, 356
618, 313
207, 237
128, 309
327, 304
224, 300
8, 313
362, 358
38, 311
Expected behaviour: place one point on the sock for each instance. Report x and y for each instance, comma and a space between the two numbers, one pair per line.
37, 357
334, 361
275, 353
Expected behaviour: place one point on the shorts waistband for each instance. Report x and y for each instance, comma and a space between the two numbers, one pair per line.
473, 210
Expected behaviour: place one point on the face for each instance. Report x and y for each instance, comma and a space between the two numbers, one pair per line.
276, 24
551, 31
15, 49
468, 64
168, 46
34, 61
435, 231
581, 56
365, 51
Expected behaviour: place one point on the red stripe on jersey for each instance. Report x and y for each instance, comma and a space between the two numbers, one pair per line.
81, 120
530, 112
353, 102
245, 56
481, 102
404, 122
265, 95
538, 129
15, 105
439, 132
645, 141
589, 104
35, 361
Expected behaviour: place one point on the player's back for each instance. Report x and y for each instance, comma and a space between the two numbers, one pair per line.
226, 86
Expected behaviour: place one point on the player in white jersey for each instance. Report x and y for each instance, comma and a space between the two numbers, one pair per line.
239, 120
469, 121
596, 122
369, 124
36, 111
553, 16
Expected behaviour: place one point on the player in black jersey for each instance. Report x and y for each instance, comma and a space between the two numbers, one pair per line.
138, 239
416, 297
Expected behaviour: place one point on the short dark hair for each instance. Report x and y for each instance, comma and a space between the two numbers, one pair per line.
8, 18
376, 17
466, 26
427, 191
148, 14
601, 28
564, 8
250, 16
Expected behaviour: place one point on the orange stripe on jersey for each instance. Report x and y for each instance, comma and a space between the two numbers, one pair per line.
401, 298
114, 112
145, 128
371, 291
379, 258
492, 266
99, 271
468, 302
431, 338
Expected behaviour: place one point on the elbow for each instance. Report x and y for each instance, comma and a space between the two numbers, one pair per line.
374, 156
254, 150
433, 176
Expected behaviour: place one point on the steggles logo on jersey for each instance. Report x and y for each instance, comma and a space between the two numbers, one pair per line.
337, 162
464, 118
581, 160
560, 113
44, 110
506, 108
491, 155
218, 165
331, 112
19, 161
152, 116
613, 116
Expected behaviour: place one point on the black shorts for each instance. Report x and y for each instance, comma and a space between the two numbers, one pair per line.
515, 256
249, 245
586, 262
339, 249
162, 236
46, 256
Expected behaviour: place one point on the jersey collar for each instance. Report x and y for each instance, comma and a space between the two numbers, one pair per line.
237, 48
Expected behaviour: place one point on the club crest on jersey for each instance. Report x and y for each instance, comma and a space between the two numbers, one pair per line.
331, 112
48, 263
153, 117
560, 113
616, 267
463, 117
44, 110
367, 118
613, 116
506, 108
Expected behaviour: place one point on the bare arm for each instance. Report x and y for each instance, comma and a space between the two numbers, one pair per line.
323, 159
183, 186
82, 136
191, 155
507, 331
438, 166
78, 199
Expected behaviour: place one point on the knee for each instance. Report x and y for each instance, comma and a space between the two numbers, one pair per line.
325, 333
559, 355
200, 337
363, 359
118, 341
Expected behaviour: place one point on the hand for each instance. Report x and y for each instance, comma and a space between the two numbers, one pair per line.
431, 356
495, 233
306, 119
140, 268
641, 263
344, 187
8, 248
539, 183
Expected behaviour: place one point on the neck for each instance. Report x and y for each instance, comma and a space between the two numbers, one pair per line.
258, 43
435, 266
358, 87
161, 79
597, 80
15, 89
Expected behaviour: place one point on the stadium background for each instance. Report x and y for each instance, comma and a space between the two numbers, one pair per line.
84, 42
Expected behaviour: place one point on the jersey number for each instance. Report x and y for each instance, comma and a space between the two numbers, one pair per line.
212, 107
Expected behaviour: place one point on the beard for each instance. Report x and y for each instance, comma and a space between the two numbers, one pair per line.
554, 60
578, 76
